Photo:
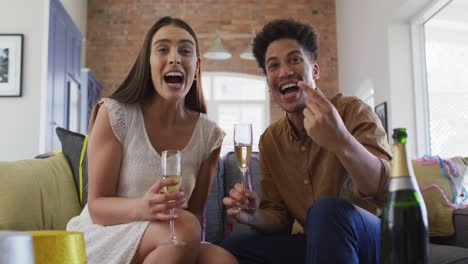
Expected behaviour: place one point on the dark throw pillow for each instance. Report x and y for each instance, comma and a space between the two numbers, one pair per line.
72, 146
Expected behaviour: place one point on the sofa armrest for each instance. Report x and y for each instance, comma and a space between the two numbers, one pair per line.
37, 194
460, 237
460, 222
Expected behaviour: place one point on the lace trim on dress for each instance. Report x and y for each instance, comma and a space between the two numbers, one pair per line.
216, 139
117, 118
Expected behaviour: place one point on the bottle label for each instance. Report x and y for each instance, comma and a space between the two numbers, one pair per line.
401, 183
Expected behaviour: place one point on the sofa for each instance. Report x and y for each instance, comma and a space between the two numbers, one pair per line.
44, 193
443, 249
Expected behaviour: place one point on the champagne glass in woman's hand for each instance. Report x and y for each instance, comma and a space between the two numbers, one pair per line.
243, 150
170, 169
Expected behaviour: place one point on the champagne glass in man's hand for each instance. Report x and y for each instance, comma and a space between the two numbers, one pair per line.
243, 150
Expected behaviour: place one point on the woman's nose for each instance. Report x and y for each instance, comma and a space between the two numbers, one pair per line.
174, 58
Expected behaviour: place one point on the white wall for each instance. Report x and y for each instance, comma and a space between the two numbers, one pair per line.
20, 117
374, 50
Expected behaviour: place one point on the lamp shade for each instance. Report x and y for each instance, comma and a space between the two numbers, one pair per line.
217, 51
247, 54
16, 247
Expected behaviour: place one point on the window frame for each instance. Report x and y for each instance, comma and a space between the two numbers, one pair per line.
421, 97
215, 104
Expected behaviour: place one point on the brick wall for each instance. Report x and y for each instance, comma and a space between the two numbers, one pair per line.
116, 29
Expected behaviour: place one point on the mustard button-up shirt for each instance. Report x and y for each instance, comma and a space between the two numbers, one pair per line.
296, 172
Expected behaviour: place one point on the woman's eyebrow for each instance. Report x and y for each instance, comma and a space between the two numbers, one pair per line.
170, 41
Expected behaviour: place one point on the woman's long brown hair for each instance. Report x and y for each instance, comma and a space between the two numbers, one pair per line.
138, 84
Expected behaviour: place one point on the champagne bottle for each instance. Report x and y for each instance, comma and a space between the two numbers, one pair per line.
404, 223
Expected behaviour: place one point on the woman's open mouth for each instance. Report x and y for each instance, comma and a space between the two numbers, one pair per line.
174, 79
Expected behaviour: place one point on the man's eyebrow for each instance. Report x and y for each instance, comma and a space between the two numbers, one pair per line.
269, 59
294, 52
289, 54
169, 41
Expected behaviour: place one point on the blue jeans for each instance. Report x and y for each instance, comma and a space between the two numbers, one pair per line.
337, 232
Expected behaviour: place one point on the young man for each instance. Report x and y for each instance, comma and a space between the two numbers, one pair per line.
321, 164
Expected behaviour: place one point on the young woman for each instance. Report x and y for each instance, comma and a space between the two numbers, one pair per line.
159, 106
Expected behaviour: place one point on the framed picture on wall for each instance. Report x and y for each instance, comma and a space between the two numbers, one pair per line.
11, 60
381, 111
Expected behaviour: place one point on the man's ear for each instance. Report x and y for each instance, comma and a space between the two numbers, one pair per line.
316, 72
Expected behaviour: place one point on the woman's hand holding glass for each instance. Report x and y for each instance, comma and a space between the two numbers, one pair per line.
171, 163
157, 203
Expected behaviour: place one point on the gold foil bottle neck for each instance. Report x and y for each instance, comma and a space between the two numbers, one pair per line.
399, 161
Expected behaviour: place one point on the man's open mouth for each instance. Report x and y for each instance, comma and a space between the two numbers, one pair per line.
289, 88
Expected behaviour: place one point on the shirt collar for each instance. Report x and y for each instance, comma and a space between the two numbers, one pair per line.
292, 134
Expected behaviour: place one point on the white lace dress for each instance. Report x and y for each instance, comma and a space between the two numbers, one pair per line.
139, 170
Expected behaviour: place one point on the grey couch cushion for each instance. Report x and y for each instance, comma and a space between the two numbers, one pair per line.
213, 218
440, 254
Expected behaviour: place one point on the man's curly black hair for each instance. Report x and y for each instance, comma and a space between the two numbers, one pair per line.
303, 33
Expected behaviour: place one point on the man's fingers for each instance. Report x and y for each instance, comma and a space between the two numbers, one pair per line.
315, 96
251, 195
239, 188
313, 111
305, 87
307, 113
230, 202
233, 211
237, 196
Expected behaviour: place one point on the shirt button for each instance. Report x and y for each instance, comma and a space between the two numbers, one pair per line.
302, 148
306, 182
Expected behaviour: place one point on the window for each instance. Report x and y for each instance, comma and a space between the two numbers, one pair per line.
73, 106
236, 98
441, 79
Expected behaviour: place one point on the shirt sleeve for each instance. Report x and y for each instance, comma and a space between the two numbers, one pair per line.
270, 199
366, 127
215, 138
117, 116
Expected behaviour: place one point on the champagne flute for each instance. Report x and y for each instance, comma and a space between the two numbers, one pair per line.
243, 150
170, 169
